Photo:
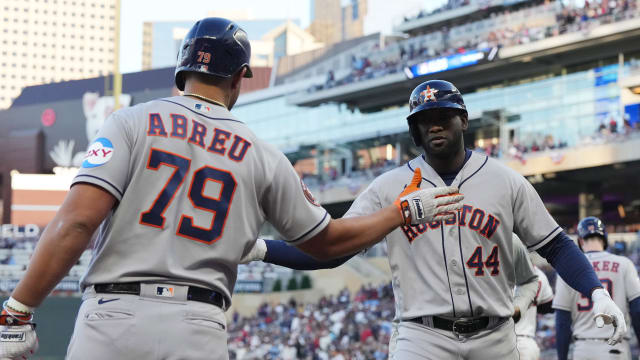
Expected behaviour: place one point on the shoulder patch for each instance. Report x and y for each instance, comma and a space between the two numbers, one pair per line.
99, 153
308, 194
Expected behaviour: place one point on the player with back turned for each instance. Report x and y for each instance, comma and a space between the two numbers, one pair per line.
574, 312
180, 189
453, 280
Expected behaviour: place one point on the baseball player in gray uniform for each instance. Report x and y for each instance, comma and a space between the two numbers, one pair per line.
526, 327
574, 312
180, 189
453, 280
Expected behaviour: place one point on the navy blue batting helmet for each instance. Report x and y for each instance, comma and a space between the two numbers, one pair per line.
213, 46
590, 226
433, 94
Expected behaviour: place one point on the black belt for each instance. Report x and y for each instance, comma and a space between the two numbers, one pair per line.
458, 326
194, 293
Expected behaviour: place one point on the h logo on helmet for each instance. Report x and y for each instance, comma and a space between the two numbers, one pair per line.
428, 94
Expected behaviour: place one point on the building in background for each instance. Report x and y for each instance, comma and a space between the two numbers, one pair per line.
333, 22
270, 39
51, 41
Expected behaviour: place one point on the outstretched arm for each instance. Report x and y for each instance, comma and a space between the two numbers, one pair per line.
571, 264
279, 253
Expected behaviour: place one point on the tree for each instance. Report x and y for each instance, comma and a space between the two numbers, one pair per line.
305, 282
292, 284
277, 286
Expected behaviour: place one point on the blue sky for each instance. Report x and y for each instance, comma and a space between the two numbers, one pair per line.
135, 12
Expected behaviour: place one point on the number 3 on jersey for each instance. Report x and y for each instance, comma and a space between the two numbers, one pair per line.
218, 207
607, 283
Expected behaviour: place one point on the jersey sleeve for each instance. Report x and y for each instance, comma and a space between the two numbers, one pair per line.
532, 222
545, 294
366, 203
563, 299
291, 208
106, 162
631, 280
523, 266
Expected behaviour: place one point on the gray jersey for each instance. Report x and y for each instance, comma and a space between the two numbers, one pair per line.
528, 323
462, 267
194, 186
618, 275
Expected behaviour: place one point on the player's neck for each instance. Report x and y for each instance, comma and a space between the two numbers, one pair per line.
207, 93
448, 164
589, 246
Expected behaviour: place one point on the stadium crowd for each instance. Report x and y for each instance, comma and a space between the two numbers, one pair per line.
335, 328
507, 28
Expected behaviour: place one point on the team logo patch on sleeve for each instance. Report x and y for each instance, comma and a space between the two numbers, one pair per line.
99, 153
308, 194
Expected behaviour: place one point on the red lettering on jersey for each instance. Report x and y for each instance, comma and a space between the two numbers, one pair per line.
105, 152
92, 153
490, 227
197, 134
614, 267
236, 155
476, 219
605, 266
219, 138
156, 127
596, 265
463, 214
178, 126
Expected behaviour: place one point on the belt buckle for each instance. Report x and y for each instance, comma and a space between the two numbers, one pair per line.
460, 322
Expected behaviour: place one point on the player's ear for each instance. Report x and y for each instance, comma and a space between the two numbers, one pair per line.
464, 118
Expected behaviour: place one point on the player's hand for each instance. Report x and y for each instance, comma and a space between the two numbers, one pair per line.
257, 252
420, 206
607, 312
18, 338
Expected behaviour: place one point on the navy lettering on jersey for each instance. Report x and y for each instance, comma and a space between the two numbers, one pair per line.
156, 127
198, 132
219, 138
463, 214
490, 227
485, 225
238, 142
178, 126
198, 135
476, 219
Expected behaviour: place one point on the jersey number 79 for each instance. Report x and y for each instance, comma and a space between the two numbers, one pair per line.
218, 207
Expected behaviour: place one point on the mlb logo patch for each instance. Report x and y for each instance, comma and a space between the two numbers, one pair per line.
164, 291
202, 107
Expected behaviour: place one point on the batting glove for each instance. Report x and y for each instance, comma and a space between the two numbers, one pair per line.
18, 337
257, 252
420, 206
607, 312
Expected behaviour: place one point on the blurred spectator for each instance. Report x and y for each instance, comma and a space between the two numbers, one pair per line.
570, 17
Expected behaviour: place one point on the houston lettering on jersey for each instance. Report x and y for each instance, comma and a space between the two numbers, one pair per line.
196, 133
474, 218
606, 265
